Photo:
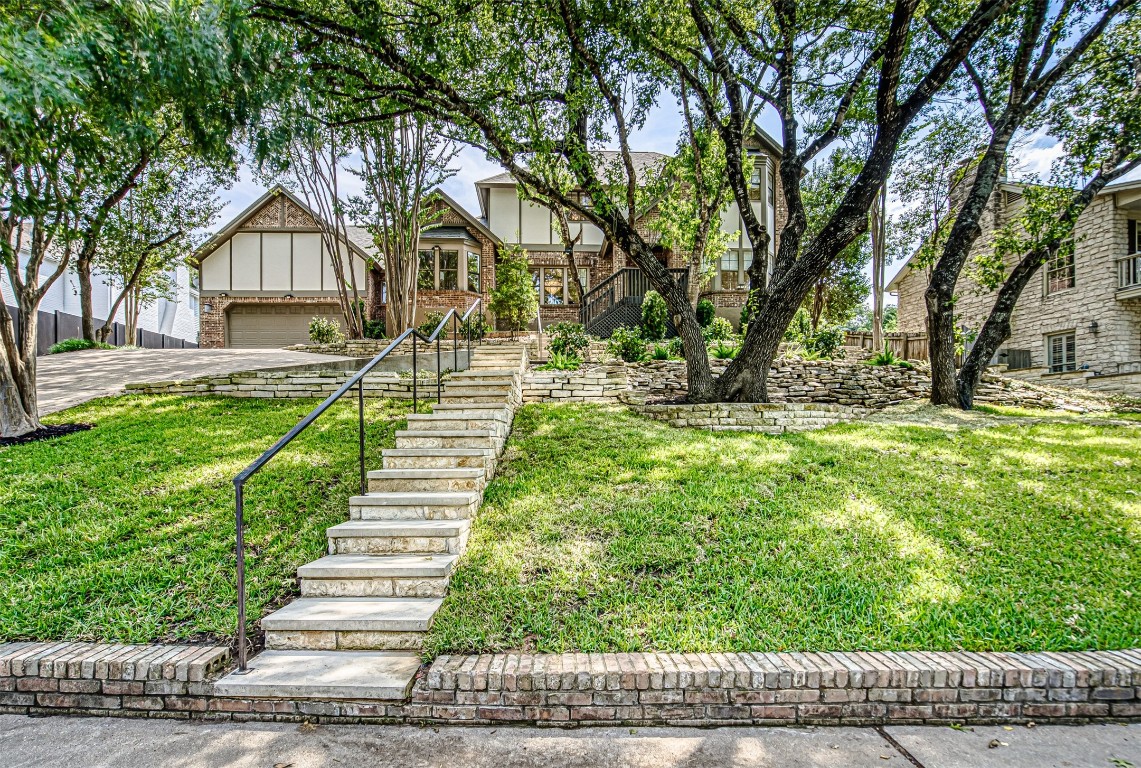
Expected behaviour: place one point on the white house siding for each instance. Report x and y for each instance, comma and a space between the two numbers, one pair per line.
176, 317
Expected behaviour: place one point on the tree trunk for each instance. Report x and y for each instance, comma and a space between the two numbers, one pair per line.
86, 311
746, 378
817, 305
879, 259
940, 294
19, 410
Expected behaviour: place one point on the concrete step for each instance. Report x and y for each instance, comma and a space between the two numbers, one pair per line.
443, 422
440, 438
499, 390
475, 399
350, 623
398, 536
462, 411
358, 575
324, 675
414, 506
389, 537
481, 381
431, 480
441, 458
486, 373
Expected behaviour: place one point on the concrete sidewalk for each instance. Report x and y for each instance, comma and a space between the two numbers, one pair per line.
125, 743
76, 377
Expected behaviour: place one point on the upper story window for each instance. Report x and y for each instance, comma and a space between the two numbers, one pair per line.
582, 199
1134, 244
1061, 352
1060, 270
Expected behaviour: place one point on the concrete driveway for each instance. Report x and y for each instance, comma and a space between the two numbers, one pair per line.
126, 743
75, 377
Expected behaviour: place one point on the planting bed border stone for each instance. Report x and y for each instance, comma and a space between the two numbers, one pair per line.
604, 688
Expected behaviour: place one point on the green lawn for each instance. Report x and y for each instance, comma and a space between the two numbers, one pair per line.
126, 532
608, 532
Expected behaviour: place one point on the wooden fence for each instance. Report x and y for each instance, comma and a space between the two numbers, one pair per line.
909, 346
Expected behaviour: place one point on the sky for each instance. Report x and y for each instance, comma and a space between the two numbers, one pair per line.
660, 133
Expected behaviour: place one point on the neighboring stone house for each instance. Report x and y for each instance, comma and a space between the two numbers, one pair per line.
267, 273
1079, 320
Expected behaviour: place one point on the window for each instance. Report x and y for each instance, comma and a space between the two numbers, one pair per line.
473, 271
426, 278
449, 270
1060, 270
1061, 349
438, 270
194, 304
755, 176
730, 266
553, 285
194, 280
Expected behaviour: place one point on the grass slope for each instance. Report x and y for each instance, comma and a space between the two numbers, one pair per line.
126, 532
607, 532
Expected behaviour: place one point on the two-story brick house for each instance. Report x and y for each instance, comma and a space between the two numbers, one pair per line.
1079, 320
265, 273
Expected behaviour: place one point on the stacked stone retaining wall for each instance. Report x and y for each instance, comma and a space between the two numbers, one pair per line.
291, 384
768, 418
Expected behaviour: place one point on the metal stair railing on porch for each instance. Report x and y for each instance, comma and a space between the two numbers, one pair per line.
626, 287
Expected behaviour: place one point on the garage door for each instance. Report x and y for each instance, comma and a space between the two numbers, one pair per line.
260, 325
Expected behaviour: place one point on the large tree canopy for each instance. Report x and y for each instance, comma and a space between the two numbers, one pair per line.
87, 90
525, 79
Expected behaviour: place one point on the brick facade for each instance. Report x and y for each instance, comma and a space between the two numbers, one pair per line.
212, 325
1101, 234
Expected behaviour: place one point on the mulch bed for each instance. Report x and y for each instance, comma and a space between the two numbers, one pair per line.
45, 433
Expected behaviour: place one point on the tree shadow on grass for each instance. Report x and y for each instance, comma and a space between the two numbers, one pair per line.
605, 531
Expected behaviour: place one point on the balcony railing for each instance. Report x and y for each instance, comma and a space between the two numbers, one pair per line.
1129, 271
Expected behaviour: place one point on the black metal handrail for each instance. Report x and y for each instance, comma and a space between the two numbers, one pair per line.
356, 379
625, 283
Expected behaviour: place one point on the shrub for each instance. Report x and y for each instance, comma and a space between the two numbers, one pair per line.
323, 330
568, 339
705, 312
374, 329
676, 348
888, 357
475, 327
627, 344
800, 328
827, 342
431, 320
660, 352
559, 361
724, 351
655, 316
76, 345
513, 300
719, 329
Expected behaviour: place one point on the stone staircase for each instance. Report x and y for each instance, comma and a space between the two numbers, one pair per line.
364, 607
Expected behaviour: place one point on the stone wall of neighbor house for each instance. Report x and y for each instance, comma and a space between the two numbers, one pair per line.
767, 418
281, 384
634, 689
1101, 238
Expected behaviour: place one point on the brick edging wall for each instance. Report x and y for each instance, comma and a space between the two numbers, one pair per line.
289, 384
603, 688
782, 688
